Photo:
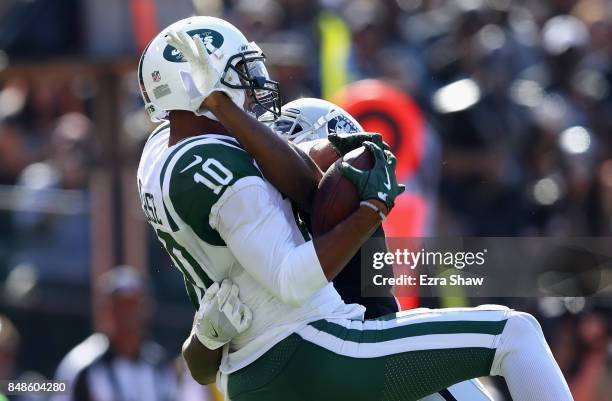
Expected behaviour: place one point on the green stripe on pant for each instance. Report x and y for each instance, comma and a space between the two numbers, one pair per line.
411, 330
300, 370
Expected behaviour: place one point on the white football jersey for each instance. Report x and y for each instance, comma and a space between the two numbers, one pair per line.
218, 218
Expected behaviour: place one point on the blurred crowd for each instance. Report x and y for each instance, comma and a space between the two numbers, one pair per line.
517, 95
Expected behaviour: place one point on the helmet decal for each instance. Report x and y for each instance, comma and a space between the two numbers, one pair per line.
161, 91
341, 125
213, 40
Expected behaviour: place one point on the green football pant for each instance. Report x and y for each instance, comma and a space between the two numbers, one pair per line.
405, 357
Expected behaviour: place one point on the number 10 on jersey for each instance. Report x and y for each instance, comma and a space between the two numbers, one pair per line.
215, 176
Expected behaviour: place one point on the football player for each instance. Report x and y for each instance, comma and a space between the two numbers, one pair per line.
311, 124
211, 184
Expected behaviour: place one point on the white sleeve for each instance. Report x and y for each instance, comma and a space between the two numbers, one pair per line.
257, 231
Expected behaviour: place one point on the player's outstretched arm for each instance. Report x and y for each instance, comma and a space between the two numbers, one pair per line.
287, 168
280, 163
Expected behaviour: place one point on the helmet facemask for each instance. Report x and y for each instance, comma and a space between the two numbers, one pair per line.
254, 78
291, 125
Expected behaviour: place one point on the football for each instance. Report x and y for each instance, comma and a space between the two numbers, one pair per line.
323, 154
337, 197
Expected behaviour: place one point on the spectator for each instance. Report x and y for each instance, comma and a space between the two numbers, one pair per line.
119, 363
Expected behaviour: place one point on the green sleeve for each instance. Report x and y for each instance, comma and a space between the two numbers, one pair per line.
200, 177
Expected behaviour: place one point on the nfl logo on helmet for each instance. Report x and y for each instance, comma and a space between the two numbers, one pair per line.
156, 76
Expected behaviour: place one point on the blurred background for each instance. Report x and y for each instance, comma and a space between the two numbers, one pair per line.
500, 112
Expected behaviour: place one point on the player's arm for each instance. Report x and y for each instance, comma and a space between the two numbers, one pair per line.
290, 170
256, 229
202, 362
292, 173
220, 317
279, 162
263, 241
378, 189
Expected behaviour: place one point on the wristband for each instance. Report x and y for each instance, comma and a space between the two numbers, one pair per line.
375, 208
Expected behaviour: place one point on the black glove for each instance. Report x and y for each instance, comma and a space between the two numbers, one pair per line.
378, 183
344, 143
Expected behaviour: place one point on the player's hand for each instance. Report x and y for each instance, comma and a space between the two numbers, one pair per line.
203, 79
222, 315
344, 143
380, 182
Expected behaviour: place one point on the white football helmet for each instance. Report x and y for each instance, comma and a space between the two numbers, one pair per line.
308, 119
165, 79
